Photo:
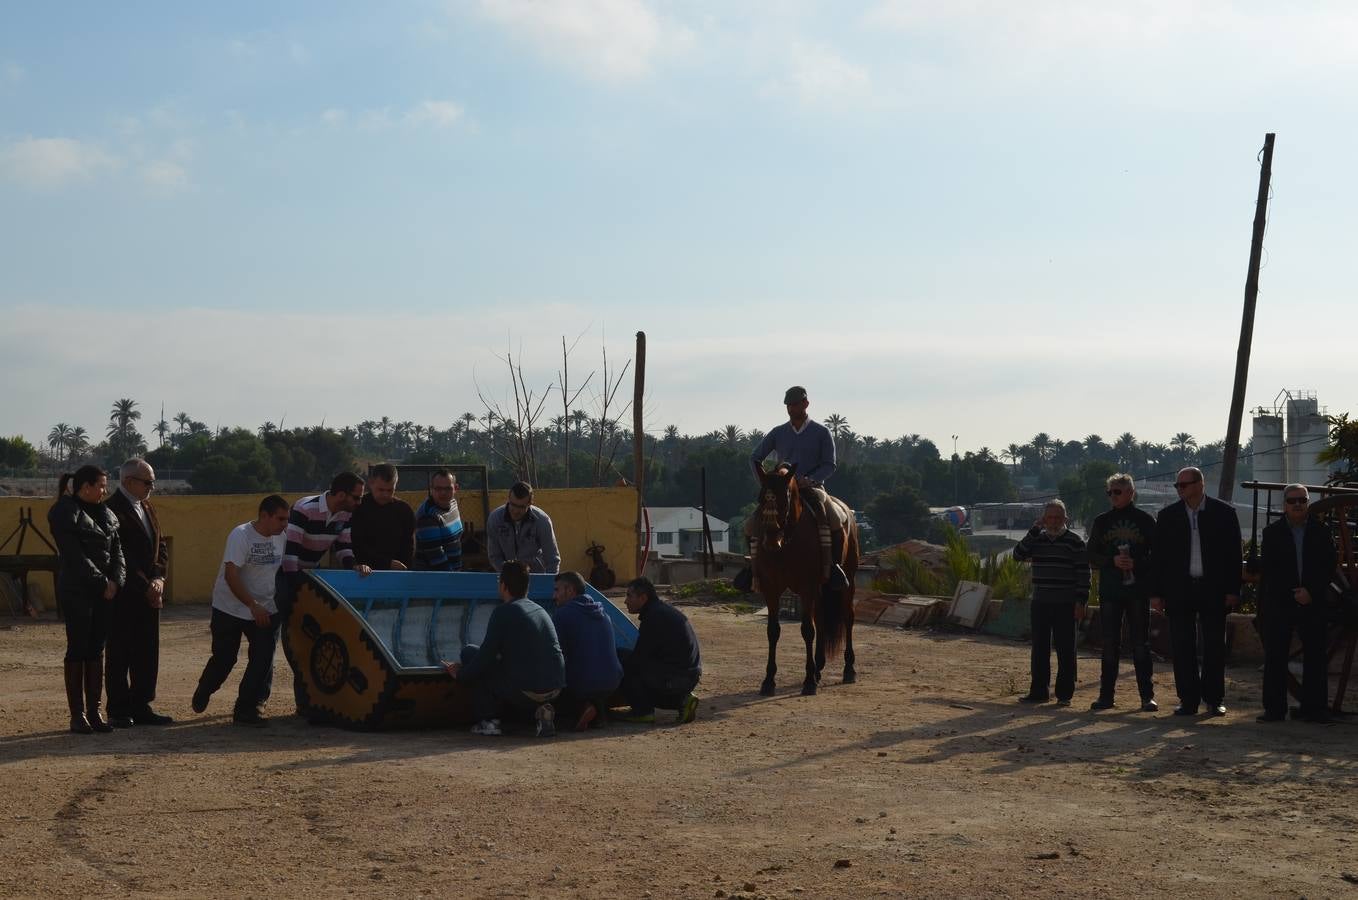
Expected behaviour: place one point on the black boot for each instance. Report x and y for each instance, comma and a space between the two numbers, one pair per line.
94, 690
744, 580
75, 699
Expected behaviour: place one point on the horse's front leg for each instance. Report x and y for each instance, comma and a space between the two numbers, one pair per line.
774, 628
808, 635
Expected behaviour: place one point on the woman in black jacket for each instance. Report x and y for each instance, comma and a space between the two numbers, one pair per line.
89, 576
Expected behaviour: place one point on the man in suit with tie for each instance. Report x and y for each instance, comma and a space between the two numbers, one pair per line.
134, 631
1197, 581
1298, 560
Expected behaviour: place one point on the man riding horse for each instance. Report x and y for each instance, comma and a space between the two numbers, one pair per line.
810, 448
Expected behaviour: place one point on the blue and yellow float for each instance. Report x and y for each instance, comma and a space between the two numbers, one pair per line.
369, 651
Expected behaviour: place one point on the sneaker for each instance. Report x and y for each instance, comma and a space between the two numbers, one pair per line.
199, 702
546, 720
487, 726
689, 712
638, 718
250, 718
587, 717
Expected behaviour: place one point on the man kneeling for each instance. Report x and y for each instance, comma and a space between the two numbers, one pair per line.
663, 668
593, 670
519, 666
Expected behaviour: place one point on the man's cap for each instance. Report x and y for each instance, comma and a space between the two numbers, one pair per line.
795, 394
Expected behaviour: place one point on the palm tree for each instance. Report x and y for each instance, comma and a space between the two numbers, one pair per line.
1012, 453
77, 443
1125, 448
162, 428
122, 435
836, 423
124, 412
985, 454
732, 435
57, 438
182, 419
1042, 444
579, 418
1184, 442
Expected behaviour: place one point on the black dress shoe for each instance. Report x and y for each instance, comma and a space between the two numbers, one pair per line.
1217, 709
1033, 698
120, 720
148, 716
1100, 704
1270, 717
1149, 705
1182, 710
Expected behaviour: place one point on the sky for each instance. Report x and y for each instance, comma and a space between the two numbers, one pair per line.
983, 219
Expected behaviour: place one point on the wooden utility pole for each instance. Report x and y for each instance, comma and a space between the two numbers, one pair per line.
1242, 355
639, 443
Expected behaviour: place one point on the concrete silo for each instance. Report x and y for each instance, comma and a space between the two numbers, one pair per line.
1307, 435
1268, 447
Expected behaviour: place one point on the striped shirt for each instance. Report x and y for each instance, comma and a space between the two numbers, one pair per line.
1060, 565
438, 537
312, 530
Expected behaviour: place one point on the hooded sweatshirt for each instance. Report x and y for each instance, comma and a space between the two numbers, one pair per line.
586, 635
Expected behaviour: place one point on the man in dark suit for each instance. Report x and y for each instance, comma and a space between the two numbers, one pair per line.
1197, 581
134, 631
1298, 562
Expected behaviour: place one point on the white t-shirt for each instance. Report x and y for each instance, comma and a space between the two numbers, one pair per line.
256, 559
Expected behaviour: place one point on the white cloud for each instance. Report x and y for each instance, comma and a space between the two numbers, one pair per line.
163, 173
437, 113
52, 162
816, 74
611, 40
425, 114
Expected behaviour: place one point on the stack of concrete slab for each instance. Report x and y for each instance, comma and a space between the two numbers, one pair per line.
899, 611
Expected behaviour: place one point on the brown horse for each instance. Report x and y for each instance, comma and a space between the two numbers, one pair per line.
787, 556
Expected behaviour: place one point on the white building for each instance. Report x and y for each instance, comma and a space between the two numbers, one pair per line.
678, 531
1287, 439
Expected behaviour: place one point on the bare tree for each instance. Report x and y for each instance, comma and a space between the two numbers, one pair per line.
567, 398
519, 422
608, 428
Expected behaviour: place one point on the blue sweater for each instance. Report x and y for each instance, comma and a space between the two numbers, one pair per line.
520, 647
586, 635
813, 450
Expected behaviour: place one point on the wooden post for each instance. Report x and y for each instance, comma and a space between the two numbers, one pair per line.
639, 444
1242, 355
707, 530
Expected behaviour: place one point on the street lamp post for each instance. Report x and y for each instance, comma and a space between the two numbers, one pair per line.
954, 470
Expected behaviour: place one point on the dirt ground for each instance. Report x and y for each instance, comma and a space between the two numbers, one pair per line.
923, 779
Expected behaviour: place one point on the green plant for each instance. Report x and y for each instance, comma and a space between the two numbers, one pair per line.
711, 588
906, 575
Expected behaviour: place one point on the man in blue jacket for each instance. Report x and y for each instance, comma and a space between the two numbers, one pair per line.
808, 445
593, 670
518, 665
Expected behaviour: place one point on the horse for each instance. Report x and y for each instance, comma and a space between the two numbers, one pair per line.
787, 555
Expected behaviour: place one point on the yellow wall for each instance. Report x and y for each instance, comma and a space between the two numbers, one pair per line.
197, 525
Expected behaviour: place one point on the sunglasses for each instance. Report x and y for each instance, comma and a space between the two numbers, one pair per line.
149, 482
1184, 485
1297, 501
1115, 492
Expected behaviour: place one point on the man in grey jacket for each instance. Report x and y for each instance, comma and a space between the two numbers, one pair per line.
521, 531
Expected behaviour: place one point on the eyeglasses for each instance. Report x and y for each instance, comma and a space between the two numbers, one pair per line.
1184, 485
1297, 501
1115, 492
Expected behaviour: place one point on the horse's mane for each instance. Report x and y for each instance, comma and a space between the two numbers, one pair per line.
794, 503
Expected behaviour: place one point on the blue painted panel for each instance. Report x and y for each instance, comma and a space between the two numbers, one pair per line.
421, 618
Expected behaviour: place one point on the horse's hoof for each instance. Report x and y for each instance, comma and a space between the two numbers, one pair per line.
809, 689
850, 677
766, 689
